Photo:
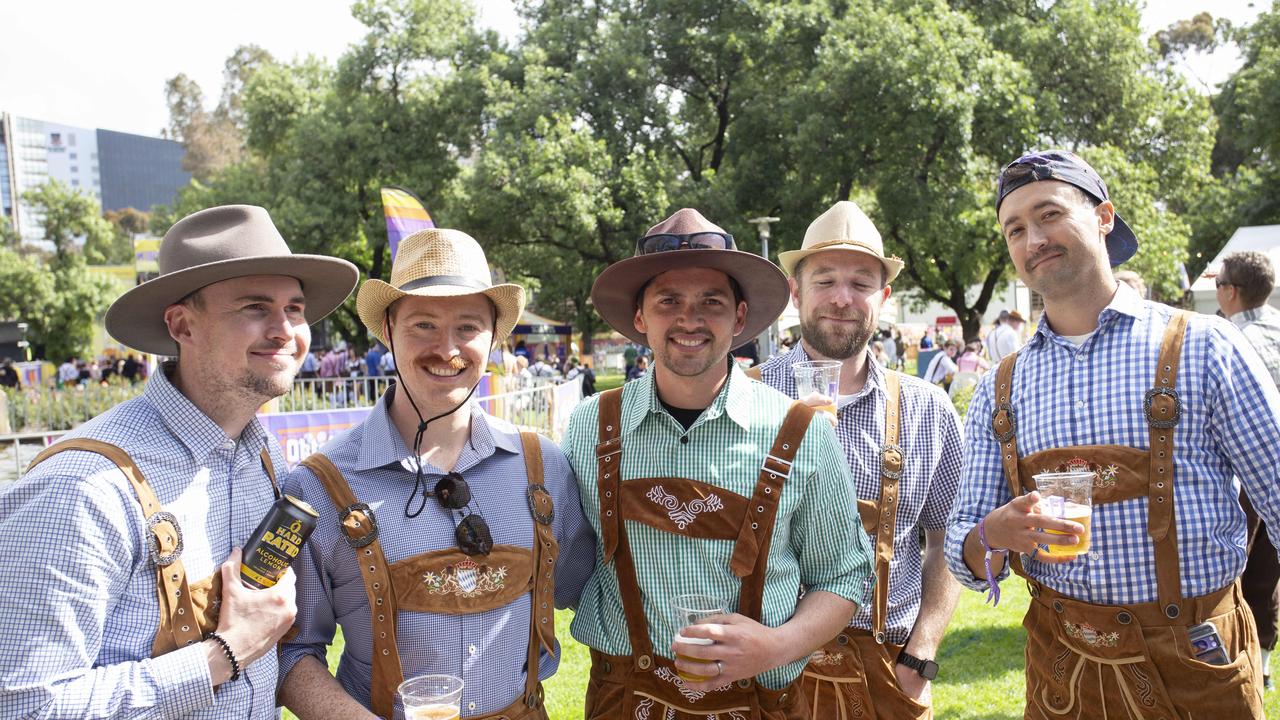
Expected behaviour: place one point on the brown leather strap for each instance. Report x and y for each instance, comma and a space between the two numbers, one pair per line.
359, 526
1004, 425
608, 465
892, 461
1163, 409
757, 527
753, 372
542, 601
269, 467
178, 619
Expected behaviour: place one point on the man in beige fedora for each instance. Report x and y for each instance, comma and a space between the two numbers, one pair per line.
728, 490
446, 537
901, 438
120, 546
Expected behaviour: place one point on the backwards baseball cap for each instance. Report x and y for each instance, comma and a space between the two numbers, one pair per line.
1065, 166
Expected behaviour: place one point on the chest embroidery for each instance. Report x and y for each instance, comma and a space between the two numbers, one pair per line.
465, 579
1089, 635
821, 658
1103, 477
689, 694
684, 513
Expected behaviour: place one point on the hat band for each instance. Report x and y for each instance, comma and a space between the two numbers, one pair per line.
460, 280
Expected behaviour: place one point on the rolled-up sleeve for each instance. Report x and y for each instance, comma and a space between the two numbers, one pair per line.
316, 624
67, 551
831, 549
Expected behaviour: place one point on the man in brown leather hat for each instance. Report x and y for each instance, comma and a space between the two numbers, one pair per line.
120, 547
729, 490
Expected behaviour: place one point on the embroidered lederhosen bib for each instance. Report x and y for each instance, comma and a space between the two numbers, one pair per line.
187, 611
852, 675
451, 582
644, 684
1133, 661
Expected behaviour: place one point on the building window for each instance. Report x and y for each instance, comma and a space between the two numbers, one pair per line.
75, 182
75, 168
93, 156
71, 139
73, 156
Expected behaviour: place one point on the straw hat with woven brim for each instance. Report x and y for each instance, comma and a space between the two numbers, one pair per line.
846, 228
216, 244
439, 263
764, 288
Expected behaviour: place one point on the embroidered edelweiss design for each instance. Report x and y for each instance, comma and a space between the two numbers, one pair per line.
1090, 635
465, 579
1106, 476
690, 694
684, 513
823, 658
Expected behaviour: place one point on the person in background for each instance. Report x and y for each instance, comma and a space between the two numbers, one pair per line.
971, 360
132, 370
1133, 280
943, 366
1006, 338
9, 375
639, 369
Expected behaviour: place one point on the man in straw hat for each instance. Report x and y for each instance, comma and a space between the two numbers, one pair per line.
115, 604
1136, 610
901, 439
732, 492
446, 537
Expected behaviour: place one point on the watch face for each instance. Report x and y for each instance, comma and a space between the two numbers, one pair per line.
929, 671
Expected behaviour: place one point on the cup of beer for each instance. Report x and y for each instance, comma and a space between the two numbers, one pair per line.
432, 697
1067, 495
818, 377
689, 610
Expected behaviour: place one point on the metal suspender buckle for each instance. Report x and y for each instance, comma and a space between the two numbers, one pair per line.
368, 538
1010, 416
532, 494
1177, 407
164, 559
888, 453
786, 465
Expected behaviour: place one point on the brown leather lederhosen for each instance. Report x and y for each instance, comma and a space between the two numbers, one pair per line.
448, 581
852, 675
187, 611
645, 684
1129, 661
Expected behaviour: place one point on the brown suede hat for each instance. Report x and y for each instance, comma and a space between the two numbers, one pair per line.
764, 287
216, 244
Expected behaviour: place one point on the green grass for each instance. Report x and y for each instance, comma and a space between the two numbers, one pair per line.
981, 659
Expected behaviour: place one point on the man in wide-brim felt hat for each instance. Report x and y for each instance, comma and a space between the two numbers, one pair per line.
446, 537
731, 490
126, 533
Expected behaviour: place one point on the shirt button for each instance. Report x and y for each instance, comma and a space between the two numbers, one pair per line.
684, 439
471, 649
471, 706
1080, 357
1080, 403
1094, 555
229, 445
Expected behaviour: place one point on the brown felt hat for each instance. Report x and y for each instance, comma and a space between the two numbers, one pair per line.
216, 244
764, 287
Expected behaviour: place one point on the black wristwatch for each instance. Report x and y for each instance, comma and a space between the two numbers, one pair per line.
926, 669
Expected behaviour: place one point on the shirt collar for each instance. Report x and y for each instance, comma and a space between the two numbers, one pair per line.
734, 399
1125, 303
188, 423
1244, 317
382, 445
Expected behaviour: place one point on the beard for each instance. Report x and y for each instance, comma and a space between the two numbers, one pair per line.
267, 386
835, 342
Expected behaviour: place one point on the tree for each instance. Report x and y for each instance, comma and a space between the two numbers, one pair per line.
68, 214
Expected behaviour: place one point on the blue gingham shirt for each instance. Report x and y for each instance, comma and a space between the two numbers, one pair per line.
930, 440
80, 609
1092, 394
486, 649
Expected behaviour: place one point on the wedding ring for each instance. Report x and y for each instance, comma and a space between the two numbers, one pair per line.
719, 668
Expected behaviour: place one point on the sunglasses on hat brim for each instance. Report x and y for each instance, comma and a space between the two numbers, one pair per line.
666, 242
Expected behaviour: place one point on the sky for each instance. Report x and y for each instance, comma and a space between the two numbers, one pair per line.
91, 64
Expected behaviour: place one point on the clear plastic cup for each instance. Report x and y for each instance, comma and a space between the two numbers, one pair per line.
432, 697
818, 377
1069, 496
693, 609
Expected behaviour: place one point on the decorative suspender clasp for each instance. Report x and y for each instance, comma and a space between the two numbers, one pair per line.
892, 460
1170, 412
537, 494
777, 466
160, 558
1004, 415
350, 523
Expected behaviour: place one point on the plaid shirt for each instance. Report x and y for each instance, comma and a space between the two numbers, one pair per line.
1091, 394
80, 608
930, 439
1261, 325
486, 649
814, 539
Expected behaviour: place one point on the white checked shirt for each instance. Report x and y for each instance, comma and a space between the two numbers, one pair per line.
930, 439
1092, 394
79, 605
1262, 326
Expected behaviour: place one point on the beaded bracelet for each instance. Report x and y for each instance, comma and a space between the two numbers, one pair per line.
226, 648
993, 585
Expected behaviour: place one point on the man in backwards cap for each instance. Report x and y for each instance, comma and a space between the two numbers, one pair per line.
446, 536
728, 490
115, 604
901, 439
1159, 409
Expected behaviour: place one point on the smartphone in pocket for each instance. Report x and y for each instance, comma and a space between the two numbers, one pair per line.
1206, 644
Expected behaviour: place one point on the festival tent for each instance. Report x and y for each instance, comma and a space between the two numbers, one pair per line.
1262, 238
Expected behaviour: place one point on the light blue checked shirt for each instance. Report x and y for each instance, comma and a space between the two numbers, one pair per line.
930, 440
1261, 325
486, 649
80, 610
815, 542
1092, 395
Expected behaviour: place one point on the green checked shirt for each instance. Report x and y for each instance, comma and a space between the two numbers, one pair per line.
818, 541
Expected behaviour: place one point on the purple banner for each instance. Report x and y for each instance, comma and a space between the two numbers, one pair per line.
302, 433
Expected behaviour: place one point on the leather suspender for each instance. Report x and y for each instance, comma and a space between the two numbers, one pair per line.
892, 461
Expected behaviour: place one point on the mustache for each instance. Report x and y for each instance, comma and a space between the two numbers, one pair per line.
288, 348
453, 363
1047, 252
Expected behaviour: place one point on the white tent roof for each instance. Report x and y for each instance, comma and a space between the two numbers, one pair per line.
1262, 238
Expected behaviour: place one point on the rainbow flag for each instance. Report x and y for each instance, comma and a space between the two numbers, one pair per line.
405, 215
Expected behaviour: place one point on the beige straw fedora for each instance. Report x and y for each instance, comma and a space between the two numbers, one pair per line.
763, 286
439, 263
843, 227
216, 244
